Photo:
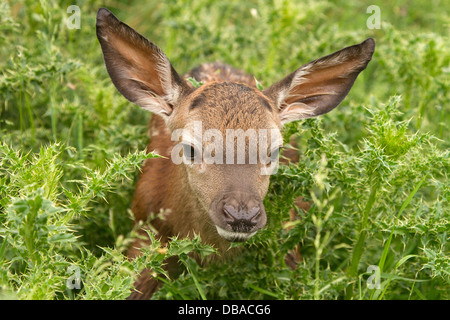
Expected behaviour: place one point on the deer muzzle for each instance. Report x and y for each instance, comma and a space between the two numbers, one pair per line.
237, 215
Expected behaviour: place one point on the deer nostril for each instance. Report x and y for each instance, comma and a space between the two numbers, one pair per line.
254, 211
254, 214
229, 213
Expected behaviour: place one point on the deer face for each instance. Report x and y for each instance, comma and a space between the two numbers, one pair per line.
228, 143
227, 134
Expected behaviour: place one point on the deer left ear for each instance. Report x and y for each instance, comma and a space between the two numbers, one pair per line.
138, 68
320, 85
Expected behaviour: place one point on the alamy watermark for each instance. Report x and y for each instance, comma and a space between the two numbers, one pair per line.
74, 20
74, 281
374, 20
230, 146
374, 281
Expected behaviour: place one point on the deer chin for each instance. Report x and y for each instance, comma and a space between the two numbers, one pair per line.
233, 236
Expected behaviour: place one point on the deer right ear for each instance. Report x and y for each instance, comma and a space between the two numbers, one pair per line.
139, 69
320, 85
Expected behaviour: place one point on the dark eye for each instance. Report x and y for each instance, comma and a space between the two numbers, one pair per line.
189, 152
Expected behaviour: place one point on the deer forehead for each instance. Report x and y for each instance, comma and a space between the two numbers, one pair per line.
227, 105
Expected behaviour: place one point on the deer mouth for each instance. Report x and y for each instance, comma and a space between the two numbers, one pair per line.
234, 236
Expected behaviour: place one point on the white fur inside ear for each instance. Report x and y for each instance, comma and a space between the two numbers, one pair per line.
153, 103
299, 78
164, 70
296, 111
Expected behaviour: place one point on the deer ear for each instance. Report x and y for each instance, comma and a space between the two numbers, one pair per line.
139, 69
320, 85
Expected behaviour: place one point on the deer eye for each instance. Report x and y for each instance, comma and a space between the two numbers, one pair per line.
189, 152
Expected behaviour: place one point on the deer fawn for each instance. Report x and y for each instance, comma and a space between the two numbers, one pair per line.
222, 201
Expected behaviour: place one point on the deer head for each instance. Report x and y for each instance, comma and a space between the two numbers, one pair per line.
229, 192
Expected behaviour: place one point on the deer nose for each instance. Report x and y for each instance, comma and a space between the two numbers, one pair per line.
242, 218
238, 215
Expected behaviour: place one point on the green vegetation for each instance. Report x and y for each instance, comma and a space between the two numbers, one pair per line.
375, 168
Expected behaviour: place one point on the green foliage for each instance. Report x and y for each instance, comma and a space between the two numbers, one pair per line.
194, 82
375, 169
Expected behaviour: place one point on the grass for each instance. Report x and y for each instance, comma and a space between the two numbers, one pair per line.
375, 168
